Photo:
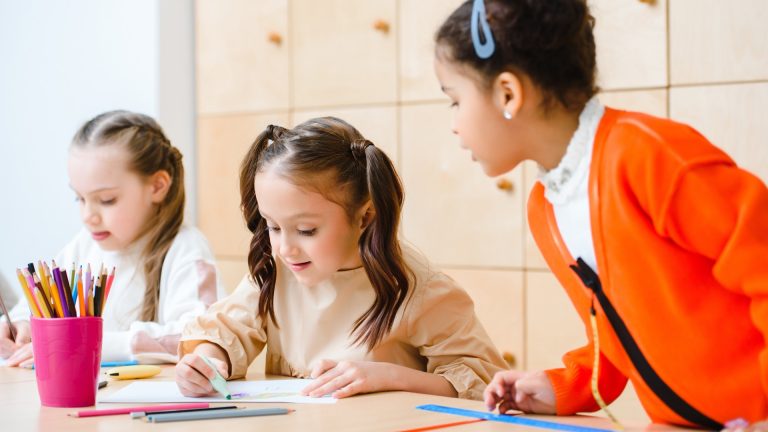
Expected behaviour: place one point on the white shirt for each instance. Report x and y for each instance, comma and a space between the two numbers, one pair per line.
566, 186
188, 285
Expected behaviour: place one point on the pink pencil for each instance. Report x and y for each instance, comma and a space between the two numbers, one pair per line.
128, 410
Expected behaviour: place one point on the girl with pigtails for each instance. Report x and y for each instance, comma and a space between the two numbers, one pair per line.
332, 293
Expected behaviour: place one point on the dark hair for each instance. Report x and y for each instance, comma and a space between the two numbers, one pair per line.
550, 41
354, 171
150, 152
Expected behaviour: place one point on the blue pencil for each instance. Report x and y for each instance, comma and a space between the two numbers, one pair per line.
106, 364
119, 363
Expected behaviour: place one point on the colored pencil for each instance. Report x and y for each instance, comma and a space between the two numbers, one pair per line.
68, 294
26, 284
44, 280
128, 410
205, 415
45, 308
55, 297
110, 279
39, 286
82, 297
140, 414
61, 292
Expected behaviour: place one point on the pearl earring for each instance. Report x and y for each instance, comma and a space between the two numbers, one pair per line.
507, 115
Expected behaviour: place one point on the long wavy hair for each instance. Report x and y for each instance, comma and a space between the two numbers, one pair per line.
330, 148
150, 152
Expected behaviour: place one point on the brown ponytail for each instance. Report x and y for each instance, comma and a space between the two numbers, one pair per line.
261, 265
150, 152
332, 148
380, 248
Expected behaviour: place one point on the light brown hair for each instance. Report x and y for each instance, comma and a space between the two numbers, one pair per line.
150, 152
332, 156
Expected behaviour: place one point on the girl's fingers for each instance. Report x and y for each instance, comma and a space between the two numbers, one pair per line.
193, 378
7, 348
350, 389
332, 385
508, 405
322, 367
21, 354
321, 381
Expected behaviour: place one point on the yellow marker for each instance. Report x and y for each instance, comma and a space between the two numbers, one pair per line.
134, 372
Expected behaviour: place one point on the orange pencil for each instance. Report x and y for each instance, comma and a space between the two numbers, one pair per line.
22, 275
82, 297
56, 299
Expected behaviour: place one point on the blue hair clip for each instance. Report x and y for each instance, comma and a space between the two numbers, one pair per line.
483, 50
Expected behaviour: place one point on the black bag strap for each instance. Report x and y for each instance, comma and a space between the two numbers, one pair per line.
651, 378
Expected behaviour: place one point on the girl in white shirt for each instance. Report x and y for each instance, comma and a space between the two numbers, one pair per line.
129, 182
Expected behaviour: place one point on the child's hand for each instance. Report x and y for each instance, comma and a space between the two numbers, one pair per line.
193, 375
22, 356
741, 425
529, 392
7, 346
349, 378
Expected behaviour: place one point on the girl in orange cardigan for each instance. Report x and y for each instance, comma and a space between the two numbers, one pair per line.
658, 237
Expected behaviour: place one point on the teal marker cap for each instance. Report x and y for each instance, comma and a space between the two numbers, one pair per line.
218, 382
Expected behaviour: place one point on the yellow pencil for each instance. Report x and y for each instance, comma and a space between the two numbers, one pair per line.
56, 298
27, 293
90, 303
44, 280
45, 308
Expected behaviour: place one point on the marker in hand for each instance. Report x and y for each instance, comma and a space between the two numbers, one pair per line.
218, 382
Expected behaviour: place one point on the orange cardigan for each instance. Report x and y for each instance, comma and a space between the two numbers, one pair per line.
681, 240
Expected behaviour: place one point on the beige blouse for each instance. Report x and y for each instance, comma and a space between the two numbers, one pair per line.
436, 329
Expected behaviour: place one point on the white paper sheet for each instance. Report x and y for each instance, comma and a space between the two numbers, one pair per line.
242, 391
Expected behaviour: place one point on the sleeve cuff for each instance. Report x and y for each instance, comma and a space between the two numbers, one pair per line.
466, 383
238, 362
116, 346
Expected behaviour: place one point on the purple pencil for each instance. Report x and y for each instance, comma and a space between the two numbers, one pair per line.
62, 294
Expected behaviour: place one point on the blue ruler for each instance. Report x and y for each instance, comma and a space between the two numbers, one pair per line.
510, 419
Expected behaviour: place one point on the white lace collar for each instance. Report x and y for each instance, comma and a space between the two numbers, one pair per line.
561, 183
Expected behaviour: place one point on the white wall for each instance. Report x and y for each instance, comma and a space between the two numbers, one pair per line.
61, 63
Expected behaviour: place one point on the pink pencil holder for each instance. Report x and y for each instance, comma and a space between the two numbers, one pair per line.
67, 359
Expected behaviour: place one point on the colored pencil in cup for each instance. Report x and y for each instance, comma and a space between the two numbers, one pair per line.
44, 280
110, 279
81, 296
45, 308
55, 297
27, 293
68, 294
62, 294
